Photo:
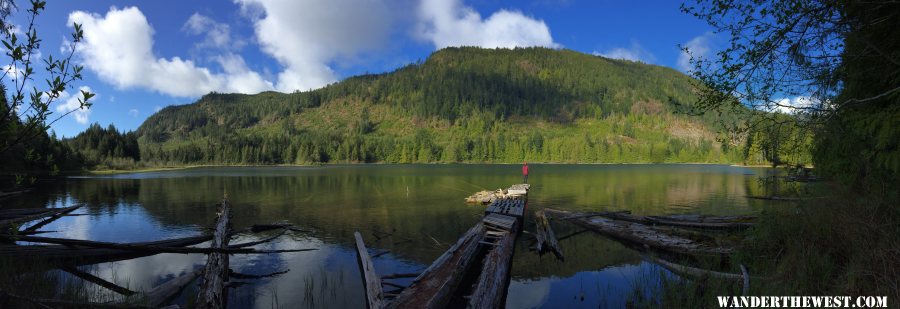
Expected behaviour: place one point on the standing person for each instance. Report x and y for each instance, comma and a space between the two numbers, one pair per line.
524, 172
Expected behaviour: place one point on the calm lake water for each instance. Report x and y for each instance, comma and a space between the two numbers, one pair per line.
420, 206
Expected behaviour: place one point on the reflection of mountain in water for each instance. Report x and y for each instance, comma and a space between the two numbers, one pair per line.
420, 207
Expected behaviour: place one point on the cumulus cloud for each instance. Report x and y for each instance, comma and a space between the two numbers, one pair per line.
118, 47
698, 47
450, 23
70, 104
306, 35
634, 53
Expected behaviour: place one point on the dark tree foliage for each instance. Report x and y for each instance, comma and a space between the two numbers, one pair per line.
840, 58
106, 147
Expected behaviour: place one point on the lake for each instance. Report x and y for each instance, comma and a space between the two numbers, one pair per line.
417, 210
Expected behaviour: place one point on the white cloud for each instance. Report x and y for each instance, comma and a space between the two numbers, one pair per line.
450, 23
216, 35
790, 105
70, 103
11, 72
698, 47
119, 48
634, 53
134, 112
305, 36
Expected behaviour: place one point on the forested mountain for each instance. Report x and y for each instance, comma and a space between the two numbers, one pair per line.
106, 148
459, 105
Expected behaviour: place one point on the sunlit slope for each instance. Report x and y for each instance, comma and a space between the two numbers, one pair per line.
459, 105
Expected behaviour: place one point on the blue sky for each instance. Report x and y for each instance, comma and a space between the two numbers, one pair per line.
140, 56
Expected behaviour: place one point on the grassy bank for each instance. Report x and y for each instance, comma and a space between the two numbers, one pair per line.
845, 244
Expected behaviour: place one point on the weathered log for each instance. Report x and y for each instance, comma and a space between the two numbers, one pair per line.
164, 293
490, 292
98, 281
141, 247
215, 273
58, 215
374, 293
19, 212
546, 239
746, 274
12, 193
434, 287
692, 272
774, 198
5, 224
398, 276
641, 234
690, 221
61, 303
77, 255
254, 243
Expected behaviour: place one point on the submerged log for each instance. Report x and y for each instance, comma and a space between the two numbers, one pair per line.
435, 286
12, 193
774, 198
689, 221
77, 255
374, 293
58, 215
642, 234
164, 293
215, 273
8, 223
18, 212
546, 239
98, 281
494, 278
142, 247
692, 272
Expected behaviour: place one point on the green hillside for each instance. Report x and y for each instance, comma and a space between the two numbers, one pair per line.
459, 105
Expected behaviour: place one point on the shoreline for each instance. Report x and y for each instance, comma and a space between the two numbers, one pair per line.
175, 168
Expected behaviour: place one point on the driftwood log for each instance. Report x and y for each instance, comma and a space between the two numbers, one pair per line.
544, 236
8, 223
490, 292
164, 293
215, 273
374, 293
144, 247
689, 221
435, 286
641, 234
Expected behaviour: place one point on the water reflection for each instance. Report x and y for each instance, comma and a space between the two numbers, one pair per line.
414, 211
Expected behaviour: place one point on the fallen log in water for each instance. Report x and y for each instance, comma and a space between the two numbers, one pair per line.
143, 247
215, 273
374, 293
52, 218
641, 233
697, 273
12, 193
77, 255
490, 292
690, 221
546, 239
9, 223
435, 286
19, 212
164, 293
774, 198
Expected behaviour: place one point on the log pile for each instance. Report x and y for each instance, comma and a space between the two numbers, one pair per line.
487, 197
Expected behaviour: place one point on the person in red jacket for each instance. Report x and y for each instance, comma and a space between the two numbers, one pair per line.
524, 172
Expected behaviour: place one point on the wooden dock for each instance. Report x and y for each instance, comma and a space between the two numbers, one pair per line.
455, 279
